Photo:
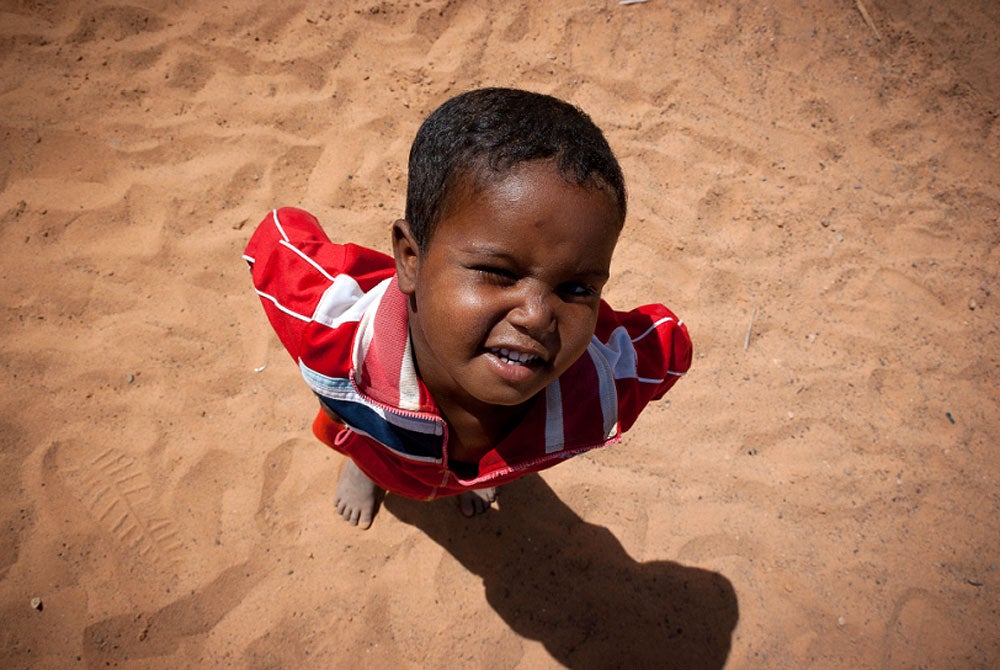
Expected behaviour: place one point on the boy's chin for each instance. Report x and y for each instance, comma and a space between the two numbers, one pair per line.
508, 397
501, 386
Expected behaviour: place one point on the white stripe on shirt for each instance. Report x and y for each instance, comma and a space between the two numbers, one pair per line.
647, 380
274, 215
554, 438
300, 253
284, 309
619, 353
409, 388
343, 301
608, 391
653, 327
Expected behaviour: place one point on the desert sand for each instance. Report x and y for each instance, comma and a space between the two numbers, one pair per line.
813, 188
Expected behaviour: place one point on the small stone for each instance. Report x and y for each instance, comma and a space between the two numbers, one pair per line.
973, 304
129, 378
841, 621
36, 603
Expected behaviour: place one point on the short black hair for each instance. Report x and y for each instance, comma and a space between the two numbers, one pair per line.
485, 133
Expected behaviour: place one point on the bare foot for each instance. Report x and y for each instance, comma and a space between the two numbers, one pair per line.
476, 502
358, 497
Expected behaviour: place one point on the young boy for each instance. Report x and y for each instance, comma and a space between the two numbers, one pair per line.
482, 350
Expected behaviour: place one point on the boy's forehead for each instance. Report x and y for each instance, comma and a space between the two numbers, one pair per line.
485, 217
487, 186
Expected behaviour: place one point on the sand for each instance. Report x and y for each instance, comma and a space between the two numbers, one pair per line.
815, 193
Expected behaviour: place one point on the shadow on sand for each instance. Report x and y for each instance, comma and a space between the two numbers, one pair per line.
555, 578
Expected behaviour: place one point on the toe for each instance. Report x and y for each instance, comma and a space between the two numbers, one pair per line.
466, 502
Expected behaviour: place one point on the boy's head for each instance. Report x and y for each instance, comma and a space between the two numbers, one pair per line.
514, 210
476, 138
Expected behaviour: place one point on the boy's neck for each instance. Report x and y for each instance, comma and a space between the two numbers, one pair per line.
475, 431
474, 427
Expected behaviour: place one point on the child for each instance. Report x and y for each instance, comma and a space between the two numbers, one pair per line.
482, 351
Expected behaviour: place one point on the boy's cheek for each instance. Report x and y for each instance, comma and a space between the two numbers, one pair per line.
583, 332
464, 301
580, 321
460, 313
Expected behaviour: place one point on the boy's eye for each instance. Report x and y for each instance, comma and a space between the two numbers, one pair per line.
578, 290
496, 274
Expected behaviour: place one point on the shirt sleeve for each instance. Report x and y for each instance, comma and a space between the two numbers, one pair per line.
306, 283
648, 348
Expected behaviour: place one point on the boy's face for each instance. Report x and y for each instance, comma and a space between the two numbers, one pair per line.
506, 295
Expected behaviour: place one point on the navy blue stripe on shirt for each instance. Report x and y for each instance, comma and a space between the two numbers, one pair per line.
366, 420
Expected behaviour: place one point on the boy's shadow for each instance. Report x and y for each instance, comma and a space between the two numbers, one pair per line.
569, 584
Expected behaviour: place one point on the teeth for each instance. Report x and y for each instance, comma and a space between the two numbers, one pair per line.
513, 357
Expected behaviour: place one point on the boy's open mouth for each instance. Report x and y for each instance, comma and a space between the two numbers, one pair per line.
509, 357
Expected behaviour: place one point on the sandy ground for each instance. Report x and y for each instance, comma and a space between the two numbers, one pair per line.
822, 492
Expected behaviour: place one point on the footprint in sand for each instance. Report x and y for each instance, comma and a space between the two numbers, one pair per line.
116, 22
119, 496
276, 468
920, 633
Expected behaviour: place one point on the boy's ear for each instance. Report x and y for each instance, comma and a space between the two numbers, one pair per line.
407, 255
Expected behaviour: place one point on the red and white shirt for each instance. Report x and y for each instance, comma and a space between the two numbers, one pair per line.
338, 311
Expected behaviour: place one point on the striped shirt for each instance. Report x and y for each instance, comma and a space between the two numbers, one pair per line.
338, 311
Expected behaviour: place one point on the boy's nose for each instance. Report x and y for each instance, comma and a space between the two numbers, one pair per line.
535, 313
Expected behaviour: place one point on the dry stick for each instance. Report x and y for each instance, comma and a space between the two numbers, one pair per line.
746, 342
868, 19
